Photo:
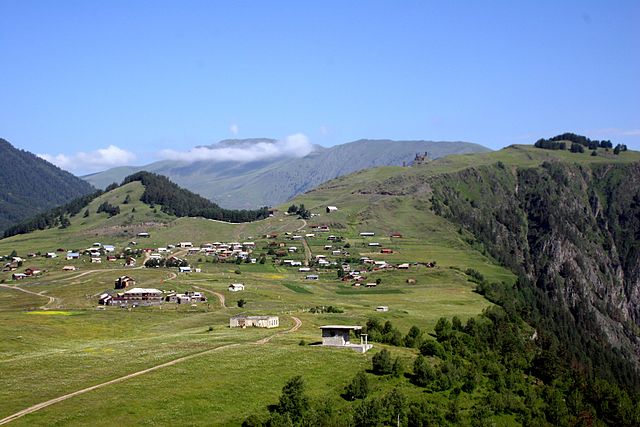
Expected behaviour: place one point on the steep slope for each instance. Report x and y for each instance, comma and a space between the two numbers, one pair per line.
31, 185
247, 185
566, 223
158, 190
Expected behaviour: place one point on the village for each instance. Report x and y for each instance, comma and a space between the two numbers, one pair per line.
317, 256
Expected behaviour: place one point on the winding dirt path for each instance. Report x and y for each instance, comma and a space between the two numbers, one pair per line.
40, 294
50, 402
218, 294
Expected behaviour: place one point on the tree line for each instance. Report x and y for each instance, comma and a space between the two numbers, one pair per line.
493, 366
179, 202
53, 218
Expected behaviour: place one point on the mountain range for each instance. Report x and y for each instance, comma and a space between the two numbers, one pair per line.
271, 181
550, 235
31, 185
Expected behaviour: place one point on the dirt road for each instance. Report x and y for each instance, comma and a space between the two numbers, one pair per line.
219, 295
40, 294
42, 405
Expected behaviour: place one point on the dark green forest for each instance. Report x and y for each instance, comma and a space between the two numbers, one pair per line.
31, 185
494, 366
180, 202
171, 199
572, 235
578, 144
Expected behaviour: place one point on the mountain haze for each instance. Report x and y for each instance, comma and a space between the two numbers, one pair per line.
247, 185
31, 185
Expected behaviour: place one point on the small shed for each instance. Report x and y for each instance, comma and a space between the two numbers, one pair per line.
382, 308
236, 287
331, 209
340, 336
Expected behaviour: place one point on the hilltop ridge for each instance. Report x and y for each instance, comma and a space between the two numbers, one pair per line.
269, 182
31, 185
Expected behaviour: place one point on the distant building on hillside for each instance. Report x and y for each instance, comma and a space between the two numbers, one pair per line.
340, 336
421, 159
138, 297
254, 321
331, 209
124, 281
236, 287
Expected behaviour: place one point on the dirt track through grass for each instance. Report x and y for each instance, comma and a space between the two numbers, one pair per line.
37, 407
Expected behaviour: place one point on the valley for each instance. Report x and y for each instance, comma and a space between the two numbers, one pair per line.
57, 339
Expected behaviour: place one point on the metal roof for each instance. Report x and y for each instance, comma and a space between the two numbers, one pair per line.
351, 328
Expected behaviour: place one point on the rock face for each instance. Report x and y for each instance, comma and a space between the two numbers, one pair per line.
573, 231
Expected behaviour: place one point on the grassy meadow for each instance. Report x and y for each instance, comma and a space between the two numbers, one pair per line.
49, 348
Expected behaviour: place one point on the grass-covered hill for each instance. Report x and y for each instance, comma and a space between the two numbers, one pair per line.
248, 185
157, 190
521, 346
31, 185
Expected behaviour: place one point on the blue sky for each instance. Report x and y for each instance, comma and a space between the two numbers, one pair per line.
108, 83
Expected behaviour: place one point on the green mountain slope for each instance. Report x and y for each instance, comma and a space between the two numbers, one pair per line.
31, 185
567, 223
468, 213
247, 185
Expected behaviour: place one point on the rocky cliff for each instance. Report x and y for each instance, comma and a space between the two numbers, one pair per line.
572, 231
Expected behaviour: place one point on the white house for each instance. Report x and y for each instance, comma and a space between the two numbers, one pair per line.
236, 287
184, 269
331, 209
367, 234
254, 321
382, 308
312, 277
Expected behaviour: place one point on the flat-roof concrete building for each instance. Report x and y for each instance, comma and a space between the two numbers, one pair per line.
340, 336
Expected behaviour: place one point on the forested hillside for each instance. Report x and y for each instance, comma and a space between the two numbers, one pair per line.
31, 185
158, 190
572, 233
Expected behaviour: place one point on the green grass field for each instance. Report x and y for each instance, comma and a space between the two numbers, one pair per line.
49, 348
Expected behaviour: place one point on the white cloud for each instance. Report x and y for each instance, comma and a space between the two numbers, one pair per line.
91, 161
234, 128
614, 132
296, 145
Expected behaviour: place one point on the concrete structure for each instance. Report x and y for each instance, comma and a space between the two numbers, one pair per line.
331, 209
382, 308
340, 336
138, 297
254, 321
